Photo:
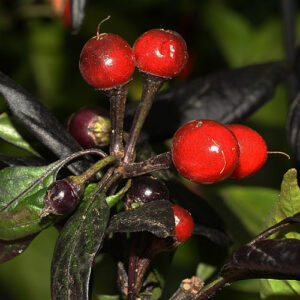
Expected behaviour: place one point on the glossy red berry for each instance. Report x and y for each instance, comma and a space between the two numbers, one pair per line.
160, 52
205, 151
253, 151
106, 61
147, 189
90, 126
184, 223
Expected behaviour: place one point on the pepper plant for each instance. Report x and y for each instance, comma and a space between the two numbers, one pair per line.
99, 198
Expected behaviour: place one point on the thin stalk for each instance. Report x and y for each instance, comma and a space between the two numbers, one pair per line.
151, 85
132, 265
122, 280
108, 180
141, 269
157, 246
117, 97
94, 169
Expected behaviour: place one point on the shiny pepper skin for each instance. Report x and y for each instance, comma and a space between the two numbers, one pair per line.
184, 223
106, 61
253, 151
205, 151
160, 52
90, 126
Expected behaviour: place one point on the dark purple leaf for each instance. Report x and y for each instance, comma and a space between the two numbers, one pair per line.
293, 126
11, 249
77, 14
11, 161
38, 120
276, 259
75, 250
227, 97
277, 227
156, 217
288, 21
215, 235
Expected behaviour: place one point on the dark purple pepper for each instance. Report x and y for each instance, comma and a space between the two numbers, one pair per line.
146, 189
61, 198
90, 127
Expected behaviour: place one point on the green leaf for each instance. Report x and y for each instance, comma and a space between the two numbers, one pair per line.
22, 192
205, 271
77, 245
107, 297
22, 199
231, 31
240, 42
279, 289
247, 205
9, 133
156, 293
287, 205
250, 203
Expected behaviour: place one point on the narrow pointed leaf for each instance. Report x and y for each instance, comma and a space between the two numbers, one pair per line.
9, 134
37, 119
77, 14
11, 249
227, 97
156, 217
278, 259
75, 250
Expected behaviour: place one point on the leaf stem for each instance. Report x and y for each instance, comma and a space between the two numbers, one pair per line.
117, 97
158, 162
151, 85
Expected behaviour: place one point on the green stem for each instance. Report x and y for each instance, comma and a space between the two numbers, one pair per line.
151, 85
94, 169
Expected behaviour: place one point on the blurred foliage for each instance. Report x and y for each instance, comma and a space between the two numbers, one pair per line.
41, 55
